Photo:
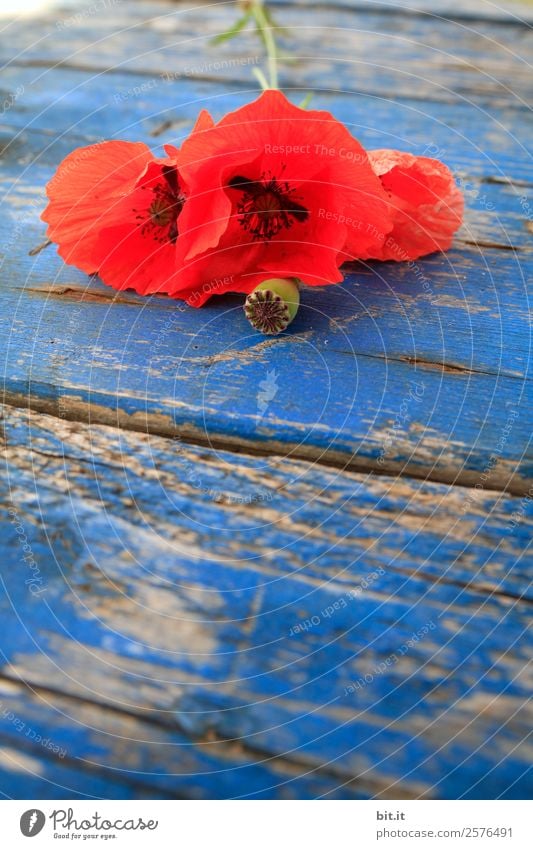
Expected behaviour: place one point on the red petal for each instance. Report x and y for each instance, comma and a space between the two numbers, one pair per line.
82, 194
203, 122
427, 204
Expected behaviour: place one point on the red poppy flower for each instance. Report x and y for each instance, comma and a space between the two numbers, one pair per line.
113, 210
274, 190
427, 205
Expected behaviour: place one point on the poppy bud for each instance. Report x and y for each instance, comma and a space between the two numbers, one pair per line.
273, 304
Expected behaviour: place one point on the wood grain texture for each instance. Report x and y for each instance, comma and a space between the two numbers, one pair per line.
226, 607
373, 49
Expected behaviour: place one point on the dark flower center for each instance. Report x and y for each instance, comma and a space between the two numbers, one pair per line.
267, 206
164, 208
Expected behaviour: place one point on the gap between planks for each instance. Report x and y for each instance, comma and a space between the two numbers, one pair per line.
234, 750
237, 83
407, 11
160, 425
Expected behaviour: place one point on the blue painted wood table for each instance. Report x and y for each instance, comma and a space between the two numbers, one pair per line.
290, 567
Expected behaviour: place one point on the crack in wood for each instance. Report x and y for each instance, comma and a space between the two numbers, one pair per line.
226, 747
447, 367
159, 425
74, 293
499, 246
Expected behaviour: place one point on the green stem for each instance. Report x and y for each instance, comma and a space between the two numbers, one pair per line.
260, 77
270, 43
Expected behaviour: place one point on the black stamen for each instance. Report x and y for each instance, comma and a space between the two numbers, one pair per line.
267, 206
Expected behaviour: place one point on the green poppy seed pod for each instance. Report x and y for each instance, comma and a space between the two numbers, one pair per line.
273, 304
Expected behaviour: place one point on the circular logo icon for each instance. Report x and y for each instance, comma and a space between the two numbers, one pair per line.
32, 822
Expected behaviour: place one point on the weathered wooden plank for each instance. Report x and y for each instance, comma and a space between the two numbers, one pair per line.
513, 12
248, 598
372, 390
91, 105
379, 411
362, 49
360, 504
37, 742
109, 753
